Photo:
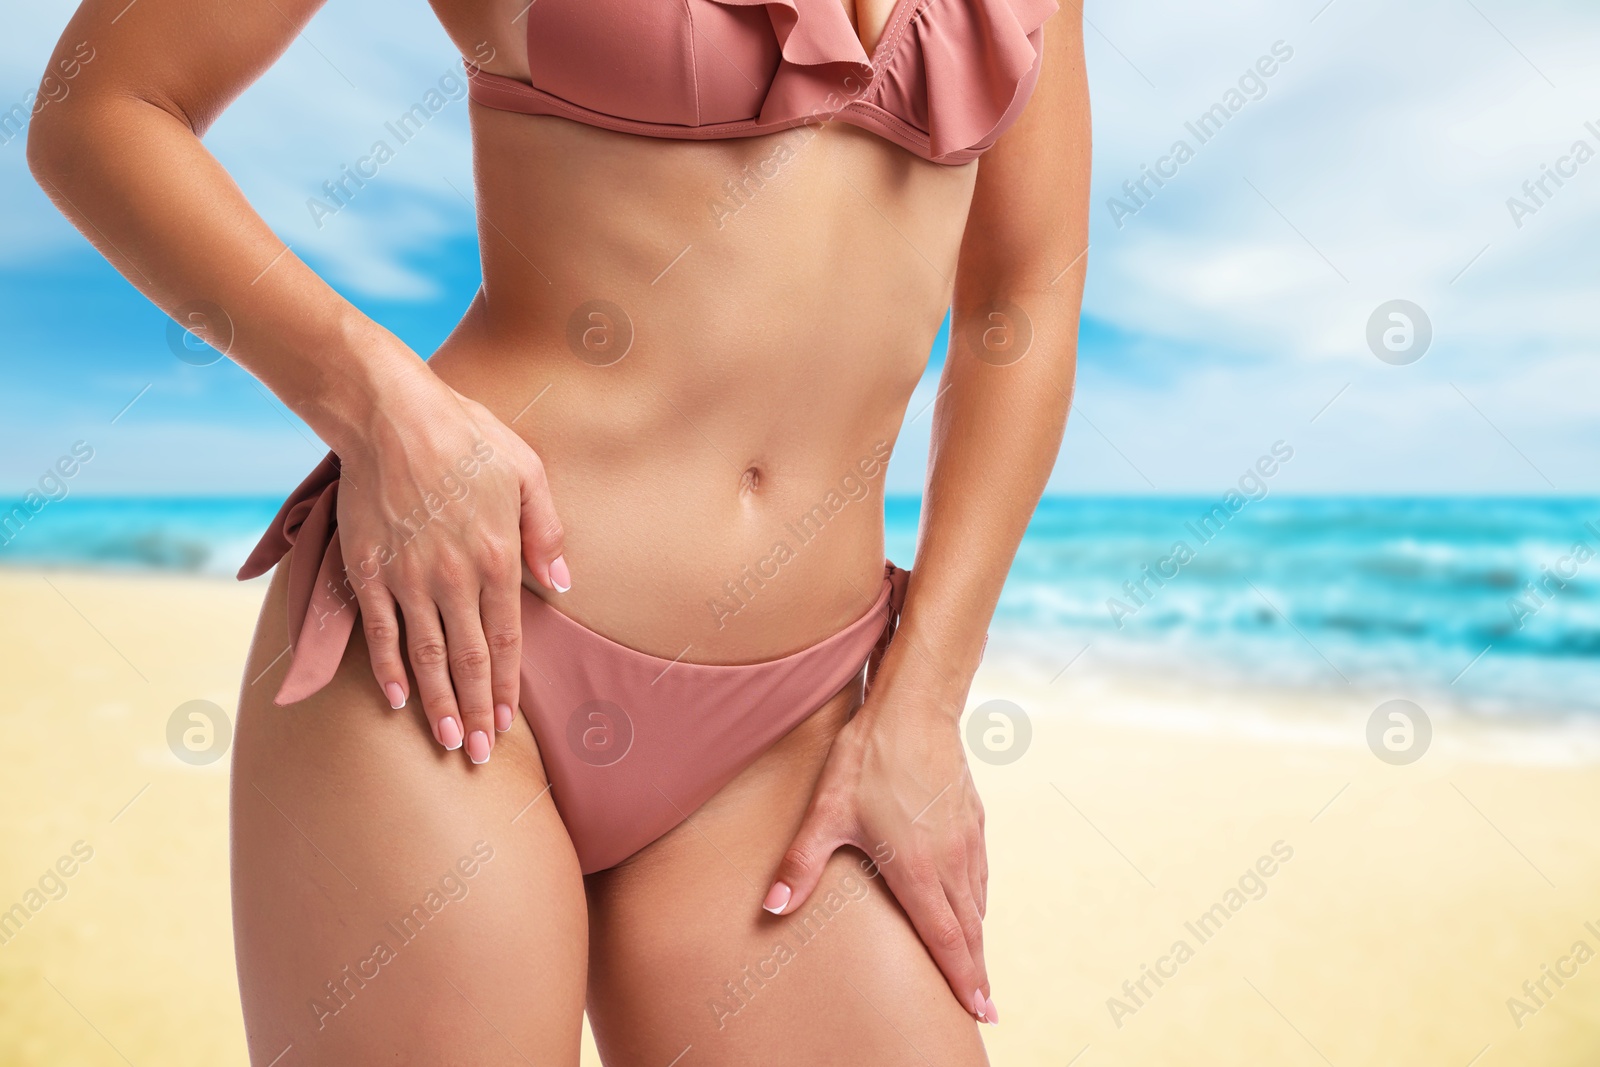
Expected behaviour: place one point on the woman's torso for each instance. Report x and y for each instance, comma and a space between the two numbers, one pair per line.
720, 480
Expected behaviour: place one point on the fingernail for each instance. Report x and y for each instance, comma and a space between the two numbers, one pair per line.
396, 695
560, 577
777, 898
478, 746
991, 1012
979, 1005
502, 717
450, 733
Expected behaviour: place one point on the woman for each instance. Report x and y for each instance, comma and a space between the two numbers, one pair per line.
619, 541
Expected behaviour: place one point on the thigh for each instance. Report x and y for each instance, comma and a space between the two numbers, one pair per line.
393, 903
682, 956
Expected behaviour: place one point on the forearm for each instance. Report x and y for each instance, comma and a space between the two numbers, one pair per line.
1007, 382
997, 431
138, 183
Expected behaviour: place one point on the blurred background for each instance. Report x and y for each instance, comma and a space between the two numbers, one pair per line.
1315, 572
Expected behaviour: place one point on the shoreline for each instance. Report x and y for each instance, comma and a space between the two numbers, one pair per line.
1331, 706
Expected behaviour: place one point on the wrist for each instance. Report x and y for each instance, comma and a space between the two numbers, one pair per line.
922, 678
365, 385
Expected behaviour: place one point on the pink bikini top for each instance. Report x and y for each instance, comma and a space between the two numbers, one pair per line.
946, 79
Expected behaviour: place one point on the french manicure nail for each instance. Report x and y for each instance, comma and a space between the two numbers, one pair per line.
502, 717
990, 1012
450, 733
396, 695
478, 746
978, 1006
777, 898
560, 577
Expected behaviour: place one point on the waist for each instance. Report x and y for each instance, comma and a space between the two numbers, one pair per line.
684, 557
737, 509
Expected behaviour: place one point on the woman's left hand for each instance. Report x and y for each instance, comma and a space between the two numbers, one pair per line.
896, 786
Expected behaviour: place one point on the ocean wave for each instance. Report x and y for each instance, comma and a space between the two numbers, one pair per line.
1456, 594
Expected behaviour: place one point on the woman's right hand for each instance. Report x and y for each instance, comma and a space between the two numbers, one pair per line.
439, 504
401, 434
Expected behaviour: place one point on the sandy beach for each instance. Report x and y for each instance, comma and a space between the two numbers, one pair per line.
1179, 874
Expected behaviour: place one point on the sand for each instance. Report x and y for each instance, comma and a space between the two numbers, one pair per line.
1404, 908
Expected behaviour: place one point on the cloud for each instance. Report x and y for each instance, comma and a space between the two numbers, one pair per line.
1376, 165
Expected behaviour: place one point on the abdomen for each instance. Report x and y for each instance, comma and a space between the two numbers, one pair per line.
718, 341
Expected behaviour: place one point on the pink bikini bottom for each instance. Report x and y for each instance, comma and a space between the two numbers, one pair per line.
632, 743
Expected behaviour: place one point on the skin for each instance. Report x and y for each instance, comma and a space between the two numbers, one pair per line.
770, 356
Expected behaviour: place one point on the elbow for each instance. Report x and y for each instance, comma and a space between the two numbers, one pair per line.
1002, 325
38, 153
64, 141
49, 150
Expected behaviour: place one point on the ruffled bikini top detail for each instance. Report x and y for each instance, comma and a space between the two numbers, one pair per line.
945, 80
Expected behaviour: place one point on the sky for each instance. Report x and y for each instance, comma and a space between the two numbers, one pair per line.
1383, 159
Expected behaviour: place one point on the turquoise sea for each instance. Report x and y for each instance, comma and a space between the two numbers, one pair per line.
1492, 601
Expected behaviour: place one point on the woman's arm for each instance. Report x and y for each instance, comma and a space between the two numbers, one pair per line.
121, 157
1007, 381
897, 772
